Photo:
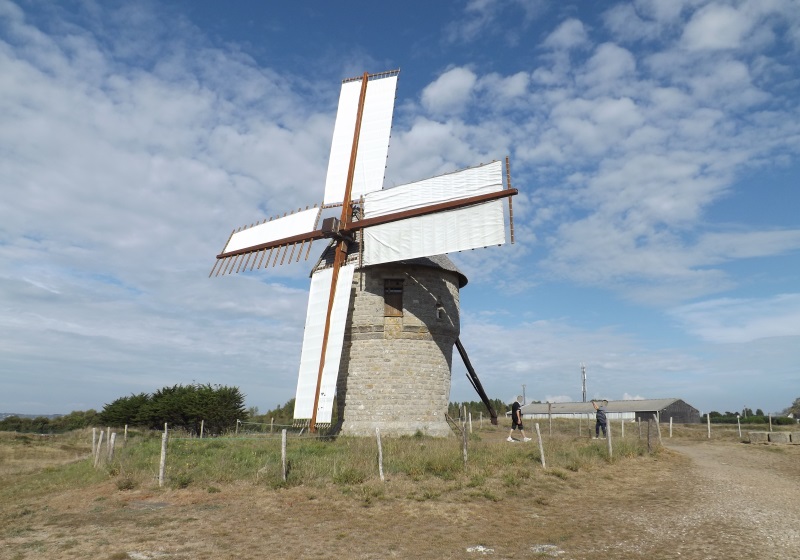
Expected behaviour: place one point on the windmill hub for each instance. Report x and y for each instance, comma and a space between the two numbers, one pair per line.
332, 228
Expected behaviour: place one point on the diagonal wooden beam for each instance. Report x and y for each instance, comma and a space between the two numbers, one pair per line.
341, 247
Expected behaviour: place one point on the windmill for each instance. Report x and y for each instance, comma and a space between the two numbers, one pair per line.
453, 212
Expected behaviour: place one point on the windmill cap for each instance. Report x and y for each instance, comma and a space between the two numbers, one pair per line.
441, 262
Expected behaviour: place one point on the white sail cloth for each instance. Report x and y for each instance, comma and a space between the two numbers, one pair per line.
288, 226
466, 228
373, 141
312, 344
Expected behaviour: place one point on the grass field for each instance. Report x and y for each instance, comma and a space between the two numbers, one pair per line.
226, 498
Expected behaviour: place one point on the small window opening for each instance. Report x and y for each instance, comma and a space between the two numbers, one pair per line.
439, 310
393, 298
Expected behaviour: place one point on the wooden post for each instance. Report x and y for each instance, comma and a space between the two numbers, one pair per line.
608, 441
770, 422
541, 447
580, 425
739, 425
658, 428
639, 422
94, 442
271, 424
125, 437
649, 445
99, 446
708, 421
464, 438
202, 428
108, 435
380, 453
550, 416
237, 426
670, 427
470, 422
111, 446
162, 465
283, 454
481, 424
622, 428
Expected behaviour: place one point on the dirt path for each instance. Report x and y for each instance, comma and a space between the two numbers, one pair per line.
747, 502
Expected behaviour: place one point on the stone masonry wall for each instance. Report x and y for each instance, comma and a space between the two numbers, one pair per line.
395, 371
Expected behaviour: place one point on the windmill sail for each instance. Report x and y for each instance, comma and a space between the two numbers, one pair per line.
312, 344
300, 223
460, 229
373, 143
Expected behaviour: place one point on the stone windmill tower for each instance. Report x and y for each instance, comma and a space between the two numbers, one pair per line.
401, 328
382, 315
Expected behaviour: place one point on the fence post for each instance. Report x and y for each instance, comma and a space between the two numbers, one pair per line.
639, 422
380, 452
550, 416
708, 421
658, 428
608, 441
670, 427
739, 425
469, 415
125, 437
541, 447
649, 445
162, 466
481, 424
464, 438
94, 442
237, 426
111, 443
580, 425
271, 424
283, 454
622, 430
202, 428
99, 446
770, 422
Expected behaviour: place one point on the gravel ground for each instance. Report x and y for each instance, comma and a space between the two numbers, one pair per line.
747, 502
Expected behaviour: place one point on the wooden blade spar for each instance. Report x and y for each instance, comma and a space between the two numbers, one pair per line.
352, 227
340, 255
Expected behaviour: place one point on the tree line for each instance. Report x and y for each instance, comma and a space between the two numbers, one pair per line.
747, 416
219, 407
184, 407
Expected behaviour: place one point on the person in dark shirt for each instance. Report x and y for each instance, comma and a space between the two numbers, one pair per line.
516, 420
600, 417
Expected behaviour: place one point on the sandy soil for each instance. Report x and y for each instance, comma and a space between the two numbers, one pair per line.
703, 500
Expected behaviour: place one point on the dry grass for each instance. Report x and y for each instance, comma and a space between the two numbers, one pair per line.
224, 498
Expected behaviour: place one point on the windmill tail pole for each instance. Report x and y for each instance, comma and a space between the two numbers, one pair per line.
476, 383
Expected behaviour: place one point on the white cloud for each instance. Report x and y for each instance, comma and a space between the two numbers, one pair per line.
570, 34
737, 320
716, 27
487, 17
450, 93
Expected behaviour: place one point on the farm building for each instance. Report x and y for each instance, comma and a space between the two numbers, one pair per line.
678, 410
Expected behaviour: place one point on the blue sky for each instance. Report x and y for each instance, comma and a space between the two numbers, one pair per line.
655, 143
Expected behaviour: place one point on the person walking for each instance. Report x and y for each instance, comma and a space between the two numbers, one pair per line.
516, 420
600, 417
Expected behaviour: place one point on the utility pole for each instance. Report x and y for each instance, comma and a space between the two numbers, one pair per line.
523, 395
583, 374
